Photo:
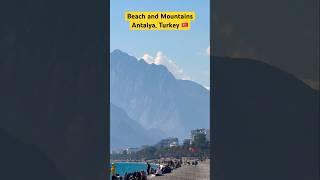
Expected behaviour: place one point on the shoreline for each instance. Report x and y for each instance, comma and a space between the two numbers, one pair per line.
186, 172
133, 162
123, 165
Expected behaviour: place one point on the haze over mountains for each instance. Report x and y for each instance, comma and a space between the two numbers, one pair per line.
126, 132
151, 96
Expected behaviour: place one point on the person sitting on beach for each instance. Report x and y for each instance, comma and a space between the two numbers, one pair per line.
153, 171
113, 177
129, 176
178, 164
125, 177
143, 175
138, 176
158, 171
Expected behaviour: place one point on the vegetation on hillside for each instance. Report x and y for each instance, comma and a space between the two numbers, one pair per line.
199, 148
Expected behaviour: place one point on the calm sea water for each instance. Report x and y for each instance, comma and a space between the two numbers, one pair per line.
128, 167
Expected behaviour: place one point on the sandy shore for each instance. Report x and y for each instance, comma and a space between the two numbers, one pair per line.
201, 172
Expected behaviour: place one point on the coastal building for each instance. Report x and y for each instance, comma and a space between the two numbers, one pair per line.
186, 142
173, 144
208, 135
167, 142
132, 150
118, 151
204, 131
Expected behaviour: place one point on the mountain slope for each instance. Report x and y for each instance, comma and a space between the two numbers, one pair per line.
125, 132
151, 95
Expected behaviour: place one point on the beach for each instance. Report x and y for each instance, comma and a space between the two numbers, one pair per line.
186, 172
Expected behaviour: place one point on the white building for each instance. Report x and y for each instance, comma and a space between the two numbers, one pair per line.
132, 150
173, 144
208, 135
118, 151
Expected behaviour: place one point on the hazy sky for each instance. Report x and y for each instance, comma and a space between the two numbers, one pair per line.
183, 52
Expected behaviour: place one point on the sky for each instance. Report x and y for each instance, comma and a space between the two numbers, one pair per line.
184, 53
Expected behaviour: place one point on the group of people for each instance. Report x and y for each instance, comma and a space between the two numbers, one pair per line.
142, 175
194, 163
157, 172
138, 175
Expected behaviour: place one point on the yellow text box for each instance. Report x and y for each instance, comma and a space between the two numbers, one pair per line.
160, 20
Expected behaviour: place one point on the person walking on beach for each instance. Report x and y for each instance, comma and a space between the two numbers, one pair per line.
148, 168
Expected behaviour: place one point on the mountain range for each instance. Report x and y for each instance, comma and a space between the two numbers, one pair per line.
126, 132
152, 97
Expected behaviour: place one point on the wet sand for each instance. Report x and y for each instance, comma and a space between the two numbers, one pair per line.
201, 172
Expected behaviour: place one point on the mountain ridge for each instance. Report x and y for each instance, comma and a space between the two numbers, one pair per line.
121, 124
151, 95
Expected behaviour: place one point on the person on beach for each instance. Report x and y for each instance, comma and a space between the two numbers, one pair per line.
139, 176
113, 169
148, 168
158, 171
144, 175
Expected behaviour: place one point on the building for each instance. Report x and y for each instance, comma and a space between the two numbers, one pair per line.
186, 142
174, 144
195, 132
167, 142
132, 150
208, 135
118, 151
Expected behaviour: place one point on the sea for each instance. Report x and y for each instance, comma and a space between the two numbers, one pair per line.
129, 167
